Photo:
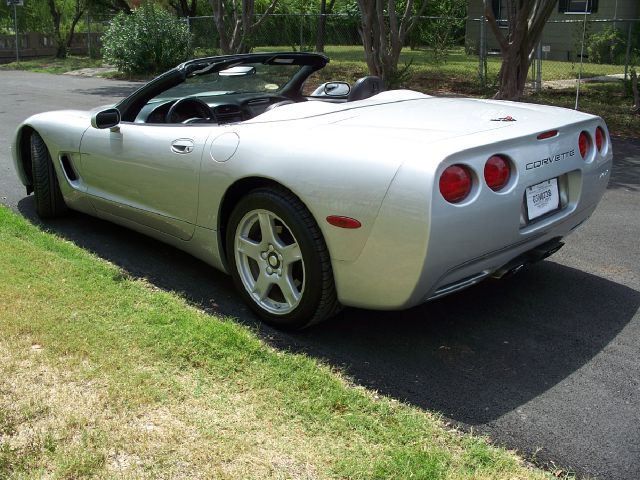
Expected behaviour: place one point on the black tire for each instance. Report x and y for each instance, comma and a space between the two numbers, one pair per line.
49, 201
317, 298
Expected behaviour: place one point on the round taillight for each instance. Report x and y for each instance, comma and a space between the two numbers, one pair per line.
455, 183
497, 172
599, 138
584, 143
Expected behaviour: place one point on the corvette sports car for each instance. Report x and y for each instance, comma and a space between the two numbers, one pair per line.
316, 196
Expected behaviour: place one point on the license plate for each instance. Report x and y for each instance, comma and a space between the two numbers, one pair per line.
542, 198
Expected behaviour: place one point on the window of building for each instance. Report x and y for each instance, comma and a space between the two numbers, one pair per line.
578, 6
499, 11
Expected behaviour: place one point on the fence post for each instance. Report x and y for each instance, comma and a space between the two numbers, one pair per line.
89, 34
482, 53
15, 25
627, 57
539, 67
534, 71
301, 30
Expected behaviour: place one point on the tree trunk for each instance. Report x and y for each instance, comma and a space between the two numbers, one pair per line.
74, 22
526, 21
513, 74
634, 89
242, 15
322, 25
184, 8
383, 35
61, 48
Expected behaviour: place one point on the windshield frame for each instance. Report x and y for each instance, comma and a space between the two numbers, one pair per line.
308, 62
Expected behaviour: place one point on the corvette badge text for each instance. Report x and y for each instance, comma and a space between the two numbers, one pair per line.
550, 160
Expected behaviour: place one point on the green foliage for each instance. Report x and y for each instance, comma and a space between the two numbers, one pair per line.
34, 16
150, 40
607, 46
137, 363
443, 31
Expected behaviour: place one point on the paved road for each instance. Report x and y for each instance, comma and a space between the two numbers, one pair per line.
546, 362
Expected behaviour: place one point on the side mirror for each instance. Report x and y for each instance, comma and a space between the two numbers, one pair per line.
108, 118
337, 89
332, 89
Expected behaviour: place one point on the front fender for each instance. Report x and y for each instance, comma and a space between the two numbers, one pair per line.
61, 131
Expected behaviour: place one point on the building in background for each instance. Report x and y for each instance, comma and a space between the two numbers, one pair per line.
562, 37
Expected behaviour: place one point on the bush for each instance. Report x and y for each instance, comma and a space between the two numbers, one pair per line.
607, 46
150, 40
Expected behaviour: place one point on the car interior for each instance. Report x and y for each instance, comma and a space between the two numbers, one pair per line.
224, 90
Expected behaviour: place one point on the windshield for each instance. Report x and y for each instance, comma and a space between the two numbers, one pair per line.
248, 78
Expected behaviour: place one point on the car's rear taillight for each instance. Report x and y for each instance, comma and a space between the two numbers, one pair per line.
549, 134
583, 144
599, 138
497, 172
455, 183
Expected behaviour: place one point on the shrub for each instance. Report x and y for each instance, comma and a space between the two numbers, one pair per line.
607, 46
149, 40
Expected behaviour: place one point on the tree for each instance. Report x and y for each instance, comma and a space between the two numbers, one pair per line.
235, 22
325, 9
64, 36
634, 91
384, 33
65, 16
149, 40
525, 21
185, 8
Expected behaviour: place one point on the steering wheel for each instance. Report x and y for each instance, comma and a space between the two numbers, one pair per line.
197, 109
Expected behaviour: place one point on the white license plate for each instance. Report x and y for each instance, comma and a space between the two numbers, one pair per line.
542, 198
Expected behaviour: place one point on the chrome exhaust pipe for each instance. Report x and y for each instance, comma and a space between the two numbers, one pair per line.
532, 256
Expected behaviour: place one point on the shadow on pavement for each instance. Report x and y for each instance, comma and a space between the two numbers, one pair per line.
110, 91
626, 165
472, 356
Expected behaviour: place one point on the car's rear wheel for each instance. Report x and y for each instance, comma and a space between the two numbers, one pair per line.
49, 201
279, 260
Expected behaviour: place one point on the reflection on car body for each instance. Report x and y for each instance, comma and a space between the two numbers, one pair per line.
349, 196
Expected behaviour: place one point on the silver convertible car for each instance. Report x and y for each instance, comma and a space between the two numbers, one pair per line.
314, 197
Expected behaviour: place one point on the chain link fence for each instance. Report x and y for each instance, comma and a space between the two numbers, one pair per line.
604, 49
568, 48
301, 32
283, 31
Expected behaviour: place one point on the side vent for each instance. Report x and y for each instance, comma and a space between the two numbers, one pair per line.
71, 174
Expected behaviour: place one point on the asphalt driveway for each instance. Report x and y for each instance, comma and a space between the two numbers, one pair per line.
547, 362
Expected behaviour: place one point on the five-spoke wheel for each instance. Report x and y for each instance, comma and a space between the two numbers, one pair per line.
279, 260
269, 261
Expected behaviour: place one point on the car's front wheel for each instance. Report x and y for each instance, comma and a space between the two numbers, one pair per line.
49, 201
279, 260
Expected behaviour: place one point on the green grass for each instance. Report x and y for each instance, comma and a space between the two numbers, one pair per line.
53, 65
460, 65
103, 375
457, 65
608, 100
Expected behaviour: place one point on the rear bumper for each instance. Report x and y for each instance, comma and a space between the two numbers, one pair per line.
422, 247
506, 260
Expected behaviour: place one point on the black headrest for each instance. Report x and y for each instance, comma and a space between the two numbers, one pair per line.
365, 87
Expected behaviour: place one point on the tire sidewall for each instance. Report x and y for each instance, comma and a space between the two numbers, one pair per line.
311, 297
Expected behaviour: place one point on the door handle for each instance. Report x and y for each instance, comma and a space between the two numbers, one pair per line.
182, 145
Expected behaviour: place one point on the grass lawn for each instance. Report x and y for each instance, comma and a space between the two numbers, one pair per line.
460, 65
607, 100
105, 376
53, 65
